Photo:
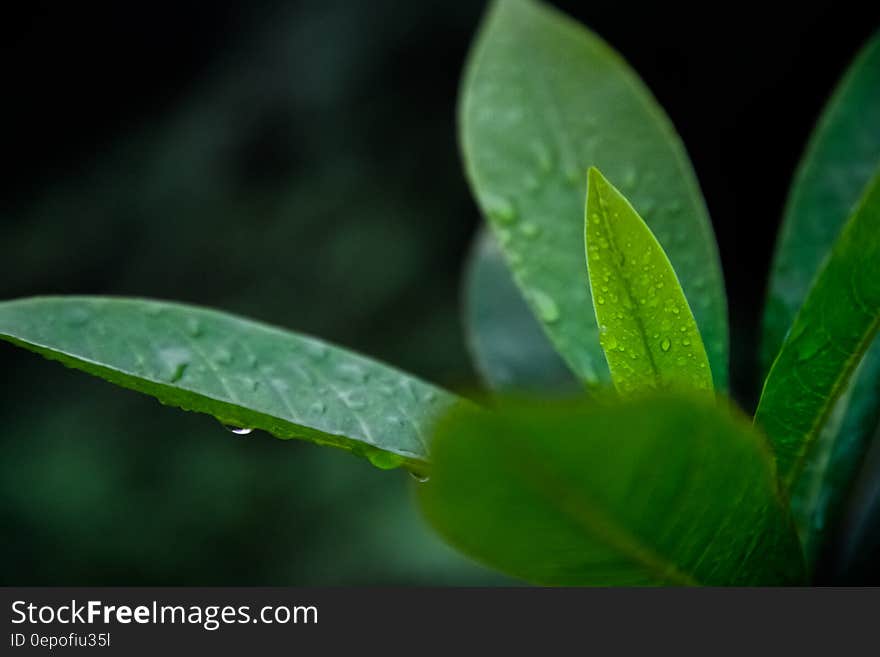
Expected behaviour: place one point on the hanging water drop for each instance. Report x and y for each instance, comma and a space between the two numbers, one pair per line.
384, 460
238, 431
421, 478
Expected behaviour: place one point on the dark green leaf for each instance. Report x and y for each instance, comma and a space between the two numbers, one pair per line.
542, 100
830, 335
646, 327
650, 491
843, 152
243, 373
508, 345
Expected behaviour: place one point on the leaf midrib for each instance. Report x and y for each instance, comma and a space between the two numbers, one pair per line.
624, 280
588, 515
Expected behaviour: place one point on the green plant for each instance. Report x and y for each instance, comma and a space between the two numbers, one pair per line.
660, 482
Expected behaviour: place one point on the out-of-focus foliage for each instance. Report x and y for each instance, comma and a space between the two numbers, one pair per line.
649, 491
261, 193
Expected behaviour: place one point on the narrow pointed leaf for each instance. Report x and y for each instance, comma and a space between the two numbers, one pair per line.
830, 335
650, 491
843, 152
646, 327
244, 373
543, 99
509, 347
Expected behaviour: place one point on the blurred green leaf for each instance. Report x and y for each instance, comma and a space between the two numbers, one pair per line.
542, 99
646, 327
830, 334
844, 151
650, 491
508, 345
244, 373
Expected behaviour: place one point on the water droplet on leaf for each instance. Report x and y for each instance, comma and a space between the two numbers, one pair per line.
193, 327
352, 373
548, 311
316, 350
384, 460
78, 316
530, 230
499, 208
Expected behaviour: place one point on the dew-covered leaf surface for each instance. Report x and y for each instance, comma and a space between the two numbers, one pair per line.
244, 373
646, 327
542, 100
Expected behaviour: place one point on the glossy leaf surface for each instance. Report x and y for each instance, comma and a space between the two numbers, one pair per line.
542, 100
843, 152
830, 334
841, 158
646, 327
244, 373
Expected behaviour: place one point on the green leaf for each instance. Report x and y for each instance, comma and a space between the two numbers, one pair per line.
648, 491
244, 373
830, 335
646, 327
508, 345
542, 100
843, 152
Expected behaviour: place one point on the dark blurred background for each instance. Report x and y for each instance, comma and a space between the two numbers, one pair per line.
297, 162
